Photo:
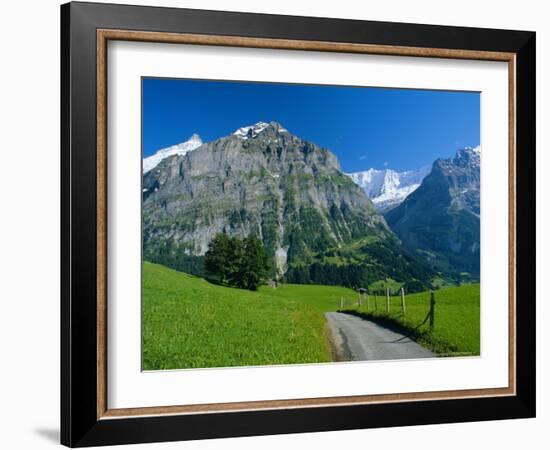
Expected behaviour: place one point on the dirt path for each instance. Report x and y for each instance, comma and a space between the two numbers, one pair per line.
358, 339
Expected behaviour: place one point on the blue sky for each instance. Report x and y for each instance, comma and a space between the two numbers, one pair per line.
365, 127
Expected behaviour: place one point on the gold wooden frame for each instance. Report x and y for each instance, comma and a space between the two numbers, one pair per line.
103, 36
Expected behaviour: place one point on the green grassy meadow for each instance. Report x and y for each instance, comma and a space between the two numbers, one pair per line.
189, 322
456, 321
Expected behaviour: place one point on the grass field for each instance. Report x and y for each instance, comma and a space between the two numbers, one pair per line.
191, 323
456, 321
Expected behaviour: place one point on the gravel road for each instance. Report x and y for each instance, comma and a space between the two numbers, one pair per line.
357, 339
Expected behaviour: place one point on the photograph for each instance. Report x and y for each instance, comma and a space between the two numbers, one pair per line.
297, 224
276, 221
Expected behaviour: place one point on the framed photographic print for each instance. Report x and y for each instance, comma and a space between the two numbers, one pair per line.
276, 224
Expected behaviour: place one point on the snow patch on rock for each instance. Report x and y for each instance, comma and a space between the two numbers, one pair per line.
251, 130
182, 148
387, 188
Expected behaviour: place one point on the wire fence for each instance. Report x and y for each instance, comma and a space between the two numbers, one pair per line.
380, 301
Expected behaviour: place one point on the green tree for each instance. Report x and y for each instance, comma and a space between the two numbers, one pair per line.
220, 259
240, 263
253, 264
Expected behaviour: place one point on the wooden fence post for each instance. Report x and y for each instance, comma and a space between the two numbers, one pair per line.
387, 300
367, 298
341, 302
403, 308
375, 302
432, 310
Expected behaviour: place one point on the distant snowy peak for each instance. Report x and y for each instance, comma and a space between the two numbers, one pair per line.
388, 188
153, 161
251, 131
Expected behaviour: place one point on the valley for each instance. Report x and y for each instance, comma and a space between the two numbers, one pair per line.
189, 322
319, 235
316, 224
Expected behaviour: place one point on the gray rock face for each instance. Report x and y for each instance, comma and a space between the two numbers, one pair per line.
440, 219
463, 176
262, 180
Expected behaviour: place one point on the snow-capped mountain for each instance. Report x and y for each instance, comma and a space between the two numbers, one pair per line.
152, 161
195, 141
388, 188
287, 191
251, 131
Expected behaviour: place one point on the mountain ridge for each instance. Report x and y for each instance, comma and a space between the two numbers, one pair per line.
314, 221
441, 219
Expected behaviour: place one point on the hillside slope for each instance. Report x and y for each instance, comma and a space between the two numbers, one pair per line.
189, 322
441, 219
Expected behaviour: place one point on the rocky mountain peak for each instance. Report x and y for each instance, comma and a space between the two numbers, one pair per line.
441, 218
252, 131
195, 138
466, 160
468, 157
182, 148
